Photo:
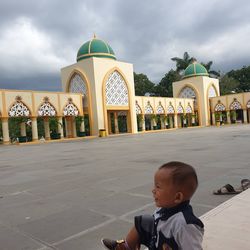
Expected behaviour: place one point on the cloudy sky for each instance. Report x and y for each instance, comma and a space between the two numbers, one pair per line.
38, 38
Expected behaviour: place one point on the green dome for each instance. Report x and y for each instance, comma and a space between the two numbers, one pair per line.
95, 48
195, 69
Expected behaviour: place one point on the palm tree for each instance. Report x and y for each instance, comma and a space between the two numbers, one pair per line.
182, 63
208, 68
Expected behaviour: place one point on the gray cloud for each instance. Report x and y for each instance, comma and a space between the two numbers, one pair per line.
37, 38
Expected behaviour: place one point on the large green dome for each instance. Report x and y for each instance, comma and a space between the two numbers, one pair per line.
95, 48
195, 69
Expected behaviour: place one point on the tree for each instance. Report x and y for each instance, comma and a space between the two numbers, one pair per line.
164, 88
243, 77
209, 70
228, 85
182, 63
143, 85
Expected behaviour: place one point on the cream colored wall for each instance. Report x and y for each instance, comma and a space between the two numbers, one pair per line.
33, 100
200, 84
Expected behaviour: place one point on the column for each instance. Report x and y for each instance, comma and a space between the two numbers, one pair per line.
69, 127
82, 126
213, 118
116, 123
73, 122
245, 115
163, 126
23, 128
60, 126
175, 120
143, 122
5, 129
46, 128
66, 127
228, 117
109, 124
34, 129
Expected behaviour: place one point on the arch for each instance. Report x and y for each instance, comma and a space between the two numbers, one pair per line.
46, 109
130, 105
88, 102
160, 110
148, 109
19, 109
138, 109
180, 109
116, 90
170, 109
211, 91
189, 109
248, 104
187, 92
219, 107
235, 105
70, 109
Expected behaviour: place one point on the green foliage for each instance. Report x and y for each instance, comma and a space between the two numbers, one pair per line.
228, 85
164, 88
143, 85
211, 72
182, 63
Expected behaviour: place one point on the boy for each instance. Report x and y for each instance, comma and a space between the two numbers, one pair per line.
173, 225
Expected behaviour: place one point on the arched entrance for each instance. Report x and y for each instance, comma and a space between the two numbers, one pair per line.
170, 116
180, 116
116, 104
236, 112
220, 114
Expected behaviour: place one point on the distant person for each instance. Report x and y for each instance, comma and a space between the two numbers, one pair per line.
173, 225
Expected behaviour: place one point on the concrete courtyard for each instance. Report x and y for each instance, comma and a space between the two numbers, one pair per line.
68, 195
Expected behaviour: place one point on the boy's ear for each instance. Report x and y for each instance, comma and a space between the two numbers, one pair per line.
179, 197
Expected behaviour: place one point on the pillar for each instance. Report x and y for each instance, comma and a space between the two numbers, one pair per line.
5, 129
175, 120
34, 129
213, 118
245, 115
23, 128
116, 123
60, 126
82, 126
46, 128
143, 122
228, 117
73, 122
69, 127
163, 126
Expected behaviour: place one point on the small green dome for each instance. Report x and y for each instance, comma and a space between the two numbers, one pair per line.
195, 69
95, 48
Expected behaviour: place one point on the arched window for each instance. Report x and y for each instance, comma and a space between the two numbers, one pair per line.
19, 109
78, 85
235, 105
187, 92
138, 109
211, 92
189, 109
46, 109
160, 109
170, 109
149, 109
70, 110
116, 90
219, 107
180, 110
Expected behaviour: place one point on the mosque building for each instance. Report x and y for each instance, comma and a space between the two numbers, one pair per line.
98, 98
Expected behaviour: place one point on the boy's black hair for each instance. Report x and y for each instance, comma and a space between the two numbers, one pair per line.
183, 175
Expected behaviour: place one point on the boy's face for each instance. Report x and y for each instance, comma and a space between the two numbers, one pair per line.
165, 193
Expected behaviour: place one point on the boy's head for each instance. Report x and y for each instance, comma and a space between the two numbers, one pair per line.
175, 182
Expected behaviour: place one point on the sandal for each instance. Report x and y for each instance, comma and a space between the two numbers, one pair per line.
227, 189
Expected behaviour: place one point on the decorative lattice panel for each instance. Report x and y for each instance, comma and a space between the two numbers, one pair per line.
235, 105
19, 109
77, 85
211, 92
189, 109
248, 104
219, 107
170, 109
116, 90
138, 109
122, 113
187, 92
70, 110
180, 110
46, 109
160, 110
149, 109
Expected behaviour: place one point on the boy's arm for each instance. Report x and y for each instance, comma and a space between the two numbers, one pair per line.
190, 236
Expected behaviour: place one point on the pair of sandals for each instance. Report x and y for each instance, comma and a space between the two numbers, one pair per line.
229, 189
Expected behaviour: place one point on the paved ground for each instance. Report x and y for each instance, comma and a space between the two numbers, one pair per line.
68, 195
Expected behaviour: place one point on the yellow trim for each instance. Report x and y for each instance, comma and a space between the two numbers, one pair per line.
104, 97
117, 107
97, 53
86, 81
33, 104
199, 74
39, 106
4, 113
59, 105
13, 103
